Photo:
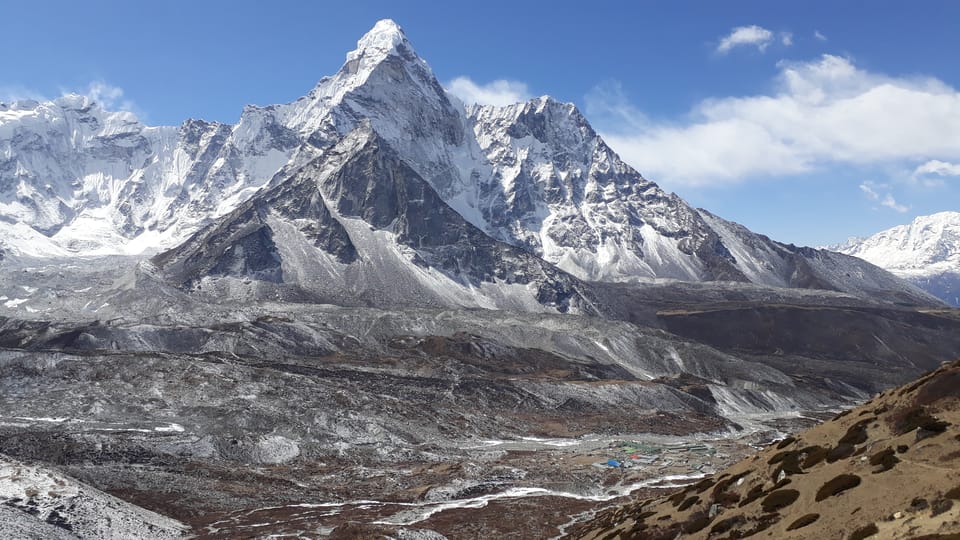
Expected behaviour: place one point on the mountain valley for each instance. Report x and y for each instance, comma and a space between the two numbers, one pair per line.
377, 310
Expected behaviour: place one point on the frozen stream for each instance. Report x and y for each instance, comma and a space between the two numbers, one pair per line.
421, 511
411, 513
92, 425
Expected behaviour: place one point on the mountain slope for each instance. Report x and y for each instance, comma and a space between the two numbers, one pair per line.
40, 502
886, 469
360, 227
925, 252
91, 181
559, 191
769, 262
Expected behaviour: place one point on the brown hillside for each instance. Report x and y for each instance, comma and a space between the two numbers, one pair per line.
888, 469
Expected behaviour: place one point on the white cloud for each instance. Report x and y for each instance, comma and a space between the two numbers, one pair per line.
872, 191
103, 93
890, 202
933, 172
110, 97
938, 168
499, 92
754, 35
819, 36
868, 189
786, 38
823, 112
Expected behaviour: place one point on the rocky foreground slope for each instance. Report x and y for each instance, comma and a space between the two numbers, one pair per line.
889, 468
38, 502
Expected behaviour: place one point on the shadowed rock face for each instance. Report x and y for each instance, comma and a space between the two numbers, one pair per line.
243, 248
362, 183
376, 186
300, 200
886, 468
254, 254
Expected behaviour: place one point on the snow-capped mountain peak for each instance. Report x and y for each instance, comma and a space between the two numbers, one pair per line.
383, 81
385, 38
385, 43
928, 244
532, 175
77, 117
925, 251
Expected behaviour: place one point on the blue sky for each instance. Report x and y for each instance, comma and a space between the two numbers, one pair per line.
805, 121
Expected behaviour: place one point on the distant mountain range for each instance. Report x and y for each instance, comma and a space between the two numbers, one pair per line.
925, 252
379, 174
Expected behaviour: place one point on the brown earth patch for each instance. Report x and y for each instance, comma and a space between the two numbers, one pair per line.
837, 485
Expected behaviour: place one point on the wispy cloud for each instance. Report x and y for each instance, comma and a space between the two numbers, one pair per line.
819, 36
499, 92
753, 35
608, 105
934, 173
869, 189
890, 202
880, 193
108, 96
822, 112
786, 38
